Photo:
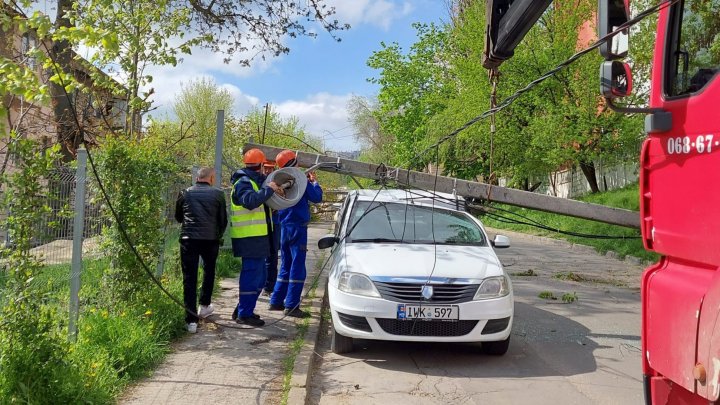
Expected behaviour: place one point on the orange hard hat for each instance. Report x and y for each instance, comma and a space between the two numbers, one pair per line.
254, 157
269, 163
286, 158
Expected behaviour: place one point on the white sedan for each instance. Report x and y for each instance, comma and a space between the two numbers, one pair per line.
408, 266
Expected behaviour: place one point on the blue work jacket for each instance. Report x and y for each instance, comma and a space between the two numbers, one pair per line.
299, 214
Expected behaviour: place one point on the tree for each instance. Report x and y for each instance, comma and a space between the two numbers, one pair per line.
132, 35
195, 107
413, 88
563, 122
373, 140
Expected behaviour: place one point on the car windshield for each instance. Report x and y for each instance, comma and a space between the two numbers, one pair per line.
384, 222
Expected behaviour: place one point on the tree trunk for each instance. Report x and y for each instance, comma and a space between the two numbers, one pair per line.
69, 134
588, 169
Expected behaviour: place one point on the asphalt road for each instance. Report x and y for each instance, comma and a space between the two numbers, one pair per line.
584, 352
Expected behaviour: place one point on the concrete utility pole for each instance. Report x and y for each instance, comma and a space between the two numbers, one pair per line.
267, 107
464, 188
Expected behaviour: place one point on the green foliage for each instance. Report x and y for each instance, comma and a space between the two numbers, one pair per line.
32, 349
440, 84
569, 298
135, 178
227, 265
569, 275
547, 295
196, 108
413, 88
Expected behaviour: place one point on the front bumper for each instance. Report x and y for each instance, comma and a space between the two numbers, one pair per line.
348, 312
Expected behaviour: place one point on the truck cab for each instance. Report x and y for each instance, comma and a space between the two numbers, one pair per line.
680, 208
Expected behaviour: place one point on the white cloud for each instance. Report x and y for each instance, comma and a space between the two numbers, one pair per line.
380, 13
324, 115
243, 102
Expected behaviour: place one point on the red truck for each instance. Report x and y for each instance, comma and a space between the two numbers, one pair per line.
680, 170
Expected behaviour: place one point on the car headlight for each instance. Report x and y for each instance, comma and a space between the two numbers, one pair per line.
493, 287
356, 283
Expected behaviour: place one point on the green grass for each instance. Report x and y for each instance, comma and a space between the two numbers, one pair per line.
526, 273
118, 342
627, 198
547, 295
297, 343
569, 298
289, 361
570, 276
227, 265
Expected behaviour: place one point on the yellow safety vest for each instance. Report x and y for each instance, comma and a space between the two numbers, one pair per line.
245, 223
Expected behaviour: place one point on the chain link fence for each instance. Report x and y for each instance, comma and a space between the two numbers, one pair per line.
56, 247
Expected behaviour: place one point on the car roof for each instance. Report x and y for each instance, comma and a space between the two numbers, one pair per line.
420, 197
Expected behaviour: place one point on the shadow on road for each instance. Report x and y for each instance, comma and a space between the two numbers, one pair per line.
542, 344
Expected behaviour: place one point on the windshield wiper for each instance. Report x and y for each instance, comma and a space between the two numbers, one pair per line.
377, 240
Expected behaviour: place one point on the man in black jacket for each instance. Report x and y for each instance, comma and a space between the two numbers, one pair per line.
202, 212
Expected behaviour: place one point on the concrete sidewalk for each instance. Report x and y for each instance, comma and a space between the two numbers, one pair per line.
221, 365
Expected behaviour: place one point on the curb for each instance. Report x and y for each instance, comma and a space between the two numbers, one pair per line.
306, 357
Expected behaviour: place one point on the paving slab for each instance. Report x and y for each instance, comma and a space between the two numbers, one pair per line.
227, 365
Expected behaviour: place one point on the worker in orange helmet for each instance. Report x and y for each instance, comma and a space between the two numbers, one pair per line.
293, 243
251, 231
271, 265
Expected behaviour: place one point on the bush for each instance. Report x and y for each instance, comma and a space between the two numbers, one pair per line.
135, 178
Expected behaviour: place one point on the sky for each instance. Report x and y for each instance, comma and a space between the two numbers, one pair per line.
317, 78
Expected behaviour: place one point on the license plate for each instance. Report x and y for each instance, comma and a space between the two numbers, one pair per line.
447, 312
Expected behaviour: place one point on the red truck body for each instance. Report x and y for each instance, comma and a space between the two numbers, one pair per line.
680, 219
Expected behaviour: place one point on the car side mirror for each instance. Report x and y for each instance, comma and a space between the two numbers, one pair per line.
328, 241
615, 79
500, 241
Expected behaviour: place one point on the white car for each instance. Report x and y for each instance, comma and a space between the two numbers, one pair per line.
409, 267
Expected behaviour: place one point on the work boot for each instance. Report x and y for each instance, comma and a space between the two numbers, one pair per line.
251, 320
296, 313
278, 307
234, 314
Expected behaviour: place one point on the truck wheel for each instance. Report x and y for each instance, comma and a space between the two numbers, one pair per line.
496, 348
340, 344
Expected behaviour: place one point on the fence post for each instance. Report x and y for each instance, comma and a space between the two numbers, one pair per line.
78, 230
219, 147
161, 260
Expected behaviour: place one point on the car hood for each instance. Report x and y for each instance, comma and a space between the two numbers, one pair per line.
378, 260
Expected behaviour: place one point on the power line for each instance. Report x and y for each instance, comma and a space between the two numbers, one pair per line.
509, 100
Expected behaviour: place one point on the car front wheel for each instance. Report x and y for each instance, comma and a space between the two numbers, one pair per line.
340, 344
496, 348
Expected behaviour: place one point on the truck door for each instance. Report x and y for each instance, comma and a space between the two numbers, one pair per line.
680, 194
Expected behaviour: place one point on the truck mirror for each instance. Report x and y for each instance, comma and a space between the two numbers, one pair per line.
612, 14
615, 79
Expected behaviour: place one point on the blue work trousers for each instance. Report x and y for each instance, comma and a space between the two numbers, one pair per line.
291, 277
252, 279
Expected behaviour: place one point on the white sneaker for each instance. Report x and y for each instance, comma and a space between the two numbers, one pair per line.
192, 327
205, 310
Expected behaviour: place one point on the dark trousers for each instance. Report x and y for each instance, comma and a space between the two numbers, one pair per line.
271, 269
190, 252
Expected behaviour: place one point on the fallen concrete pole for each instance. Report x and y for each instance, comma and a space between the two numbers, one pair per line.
465, 188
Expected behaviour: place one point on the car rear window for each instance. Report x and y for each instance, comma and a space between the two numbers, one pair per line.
407, 223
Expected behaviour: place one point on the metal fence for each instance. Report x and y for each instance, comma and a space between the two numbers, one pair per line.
69, 237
